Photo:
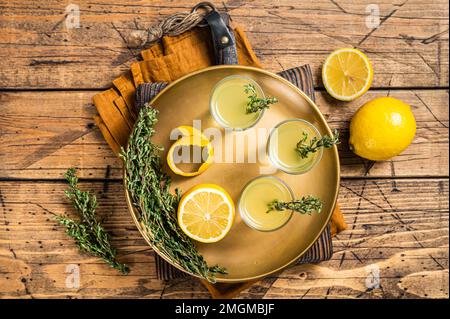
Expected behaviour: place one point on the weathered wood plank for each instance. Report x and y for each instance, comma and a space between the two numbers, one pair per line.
44, 133
408, 49
396, 227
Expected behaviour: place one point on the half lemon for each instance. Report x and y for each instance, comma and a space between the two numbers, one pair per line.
347, 74
206, 213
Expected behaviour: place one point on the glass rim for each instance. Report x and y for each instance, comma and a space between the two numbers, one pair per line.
276, 163
245, 218
213, 112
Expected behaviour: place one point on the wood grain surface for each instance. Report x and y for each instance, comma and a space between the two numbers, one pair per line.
49, 131
397, 242
410, 48
396, 225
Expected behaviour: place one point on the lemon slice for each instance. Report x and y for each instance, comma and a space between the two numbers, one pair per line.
206, 213
190, 137
347, 74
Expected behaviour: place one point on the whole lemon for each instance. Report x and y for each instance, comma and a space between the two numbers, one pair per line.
381, 129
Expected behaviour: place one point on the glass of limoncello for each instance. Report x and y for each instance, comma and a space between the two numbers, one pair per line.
282, 143
229, 102
254, 200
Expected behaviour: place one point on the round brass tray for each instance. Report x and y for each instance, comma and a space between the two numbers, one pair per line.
246, 253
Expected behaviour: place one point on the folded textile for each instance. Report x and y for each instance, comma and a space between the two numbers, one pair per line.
165, 61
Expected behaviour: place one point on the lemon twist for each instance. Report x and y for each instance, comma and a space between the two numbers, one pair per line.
190, 136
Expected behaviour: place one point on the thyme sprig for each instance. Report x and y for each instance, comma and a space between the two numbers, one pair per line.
149, 189
305, 205
256, 103
303, 148
89, 234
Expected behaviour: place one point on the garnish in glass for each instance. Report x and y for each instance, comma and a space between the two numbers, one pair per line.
303, 148
253, 203
305, 205
256, 103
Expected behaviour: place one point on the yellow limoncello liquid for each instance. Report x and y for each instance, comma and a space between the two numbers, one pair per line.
283, 142
229, 102
254, 200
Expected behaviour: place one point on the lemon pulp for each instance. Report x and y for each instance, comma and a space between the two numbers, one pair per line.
206, 213
347, 74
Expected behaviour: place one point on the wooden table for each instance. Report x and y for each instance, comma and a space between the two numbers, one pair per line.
397, 211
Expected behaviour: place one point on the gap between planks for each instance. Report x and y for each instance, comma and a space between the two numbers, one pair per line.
317, 89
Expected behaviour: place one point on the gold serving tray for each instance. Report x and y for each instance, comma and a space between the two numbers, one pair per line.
246, 253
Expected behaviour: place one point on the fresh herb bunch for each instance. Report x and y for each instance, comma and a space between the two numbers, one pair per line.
326, 141
88, 233
256, 103
305, 205
149, 188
